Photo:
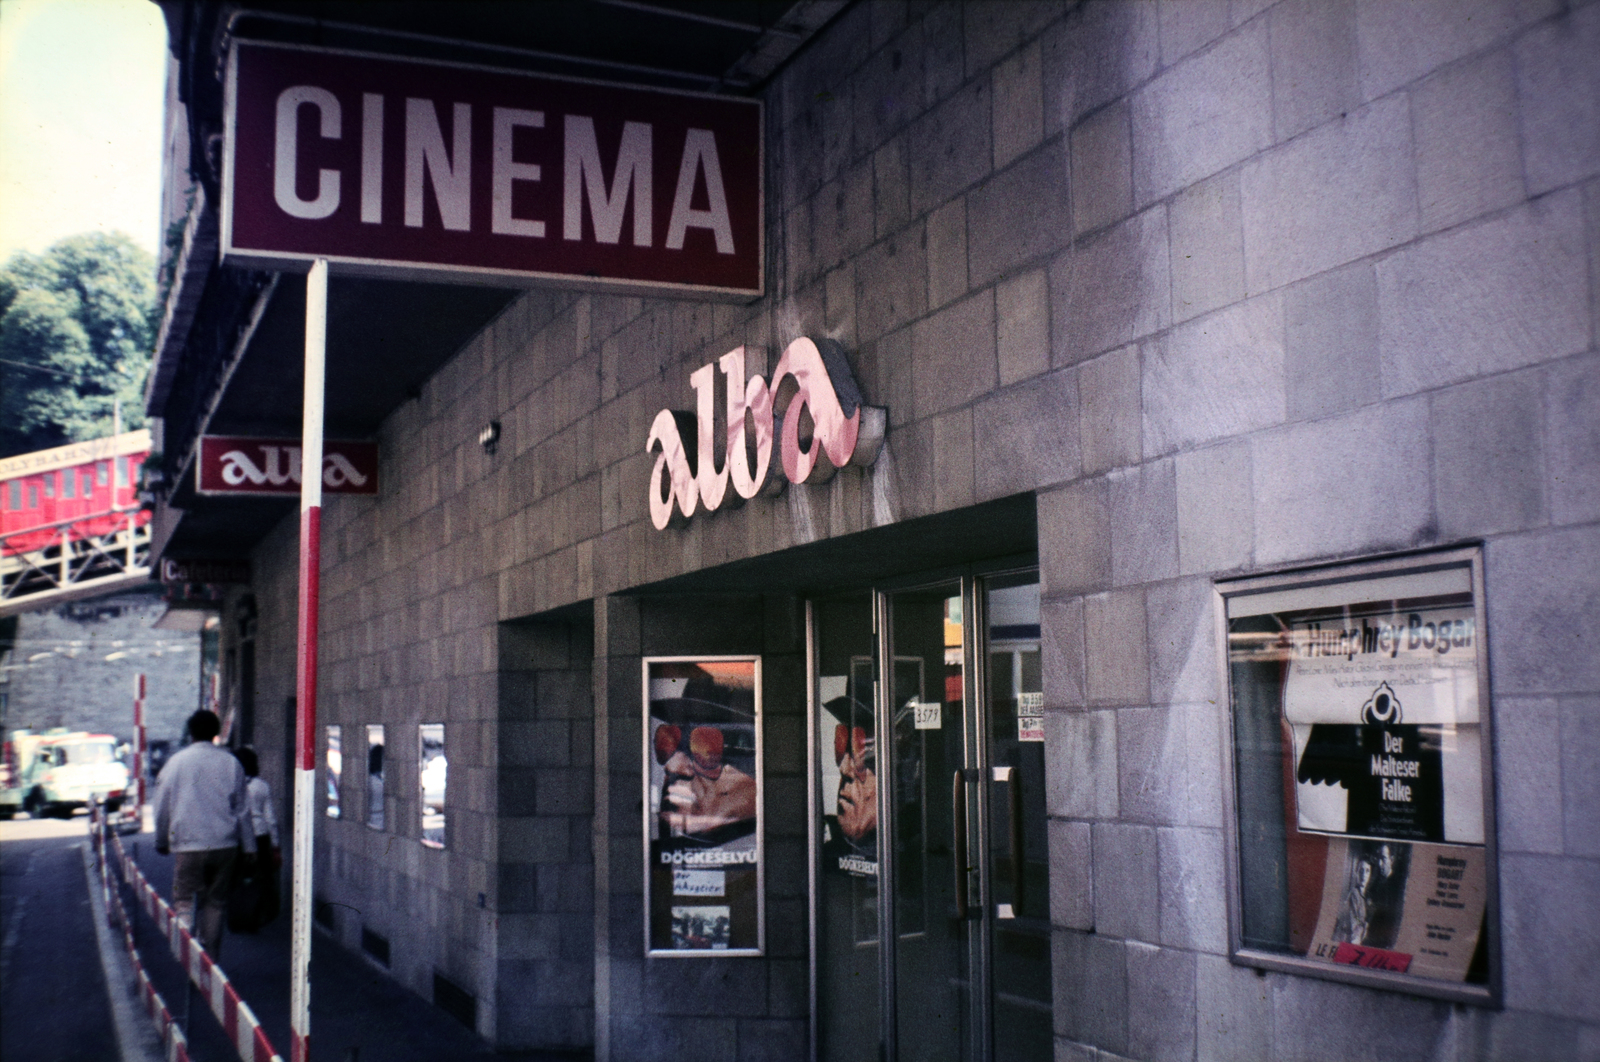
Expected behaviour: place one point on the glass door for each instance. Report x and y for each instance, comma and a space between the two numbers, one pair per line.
938, 829
930, 854
848, 960
1016, 842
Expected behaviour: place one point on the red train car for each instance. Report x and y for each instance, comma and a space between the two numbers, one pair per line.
91, 486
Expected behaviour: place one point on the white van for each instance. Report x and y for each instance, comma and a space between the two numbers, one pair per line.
59, 771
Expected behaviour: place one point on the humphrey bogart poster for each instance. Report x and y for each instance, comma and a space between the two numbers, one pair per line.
1383, 706
1381, 699
1407, 908
703, 806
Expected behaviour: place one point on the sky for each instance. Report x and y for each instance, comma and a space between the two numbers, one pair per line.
81, 104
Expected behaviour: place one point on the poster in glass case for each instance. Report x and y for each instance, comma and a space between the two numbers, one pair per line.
433, 774
1360, 767
702, 779
334, 767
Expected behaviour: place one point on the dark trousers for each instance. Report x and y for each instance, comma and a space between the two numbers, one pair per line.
200, 883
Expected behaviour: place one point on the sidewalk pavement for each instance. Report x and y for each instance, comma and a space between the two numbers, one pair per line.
358, 1012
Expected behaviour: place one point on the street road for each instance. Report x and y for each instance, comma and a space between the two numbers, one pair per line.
52, 988
54, 1006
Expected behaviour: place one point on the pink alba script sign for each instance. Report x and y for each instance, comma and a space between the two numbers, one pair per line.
413, 169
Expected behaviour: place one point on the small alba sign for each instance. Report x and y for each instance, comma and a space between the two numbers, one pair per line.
232, 464
812, 384
413, 169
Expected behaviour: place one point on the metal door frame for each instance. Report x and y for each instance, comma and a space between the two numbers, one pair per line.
975, 750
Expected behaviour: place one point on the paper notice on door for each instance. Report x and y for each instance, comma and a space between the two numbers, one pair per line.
1030, 717
926, 715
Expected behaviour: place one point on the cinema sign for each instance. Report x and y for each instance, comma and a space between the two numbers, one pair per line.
413, 169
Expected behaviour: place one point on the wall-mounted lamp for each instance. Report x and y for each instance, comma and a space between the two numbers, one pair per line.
489, 437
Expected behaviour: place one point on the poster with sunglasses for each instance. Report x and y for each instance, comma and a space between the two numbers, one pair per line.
702, 806
849, 782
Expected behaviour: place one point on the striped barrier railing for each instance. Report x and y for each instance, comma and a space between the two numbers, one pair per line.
175, 1046
233, 1013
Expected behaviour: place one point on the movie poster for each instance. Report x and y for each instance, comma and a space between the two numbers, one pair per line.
703, 876
1380, 699
1407, 908
1383, 706
849, 789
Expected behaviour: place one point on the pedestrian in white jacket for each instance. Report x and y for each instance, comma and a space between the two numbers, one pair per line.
203, 817
269, 857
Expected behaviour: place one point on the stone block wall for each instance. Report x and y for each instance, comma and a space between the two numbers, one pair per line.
545, 896
73, 666
382, 662
742, 1007
1348, 315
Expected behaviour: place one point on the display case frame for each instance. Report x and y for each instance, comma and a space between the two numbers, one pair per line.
671, 668
1353, 585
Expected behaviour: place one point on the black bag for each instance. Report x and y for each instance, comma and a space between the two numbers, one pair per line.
254, 899
244, 903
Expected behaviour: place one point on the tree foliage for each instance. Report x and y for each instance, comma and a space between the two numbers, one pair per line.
77, 326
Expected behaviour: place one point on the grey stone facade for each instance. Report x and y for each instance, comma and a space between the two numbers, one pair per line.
73, 666
1230, 287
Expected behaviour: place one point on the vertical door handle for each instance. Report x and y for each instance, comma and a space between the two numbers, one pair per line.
958, 847
1012, 777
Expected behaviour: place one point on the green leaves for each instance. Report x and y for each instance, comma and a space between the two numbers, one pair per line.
77, 327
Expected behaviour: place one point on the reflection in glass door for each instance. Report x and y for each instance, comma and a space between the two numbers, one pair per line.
931, 967
1018, 858
945, 815
846, 877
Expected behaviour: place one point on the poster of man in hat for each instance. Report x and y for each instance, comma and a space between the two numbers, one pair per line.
703, 805
850, 834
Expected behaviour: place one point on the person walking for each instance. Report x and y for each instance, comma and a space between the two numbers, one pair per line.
203, 819
263, 907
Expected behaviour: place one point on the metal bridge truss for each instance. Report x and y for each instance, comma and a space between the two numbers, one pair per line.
81, 558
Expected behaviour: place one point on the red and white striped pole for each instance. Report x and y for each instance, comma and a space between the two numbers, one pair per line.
305, 774
138, 741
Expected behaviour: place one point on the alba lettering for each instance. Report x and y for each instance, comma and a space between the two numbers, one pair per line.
813, 379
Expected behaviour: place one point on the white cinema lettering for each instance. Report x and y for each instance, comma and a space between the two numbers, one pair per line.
286, 153
442, 163
700, 154
584, 173
818, 382
451, 171
371, 158
506, 121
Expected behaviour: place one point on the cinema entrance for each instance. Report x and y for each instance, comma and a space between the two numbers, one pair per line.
930, 865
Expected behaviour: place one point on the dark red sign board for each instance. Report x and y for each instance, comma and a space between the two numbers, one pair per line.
231, 464
414, 169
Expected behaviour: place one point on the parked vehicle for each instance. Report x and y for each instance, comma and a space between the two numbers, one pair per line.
60, 771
